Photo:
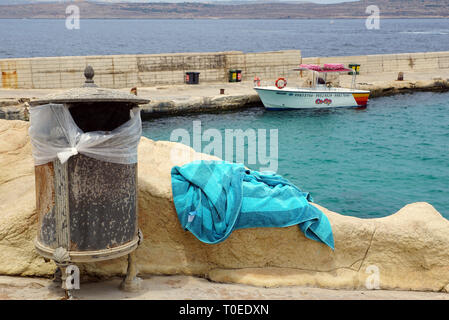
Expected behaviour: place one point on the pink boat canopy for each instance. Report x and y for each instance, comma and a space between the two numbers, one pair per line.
327, 67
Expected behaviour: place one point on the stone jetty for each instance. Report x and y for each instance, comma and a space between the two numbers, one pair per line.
161, 77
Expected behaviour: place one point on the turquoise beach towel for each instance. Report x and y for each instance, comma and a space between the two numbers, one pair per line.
213, 198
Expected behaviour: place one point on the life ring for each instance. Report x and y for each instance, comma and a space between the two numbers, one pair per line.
282, 84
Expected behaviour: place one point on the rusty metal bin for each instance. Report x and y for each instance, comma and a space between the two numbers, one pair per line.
87, 207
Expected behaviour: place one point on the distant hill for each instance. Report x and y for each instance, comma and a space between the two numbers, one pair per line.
240, 10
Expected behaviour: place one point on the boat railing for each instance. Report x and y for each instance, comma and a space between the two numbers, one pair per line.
313, 83
337, 69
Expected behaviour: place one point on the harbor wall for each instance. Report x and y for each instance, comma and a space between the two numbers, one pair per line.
125, 71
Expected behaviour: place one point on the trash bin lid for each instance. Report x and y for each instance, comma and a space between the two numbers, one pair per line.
90, 92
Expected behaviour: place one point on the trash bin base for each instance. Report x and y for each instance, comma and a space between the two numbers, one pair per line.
90, 256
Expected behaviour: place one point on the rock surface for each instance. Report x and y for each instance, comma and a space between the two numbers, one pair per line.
184, 105
409, 249
180, 287
183, 99
382, 88
14, 109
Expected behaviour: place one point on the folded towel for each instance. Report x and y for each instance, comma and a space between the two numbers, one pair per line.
213, 198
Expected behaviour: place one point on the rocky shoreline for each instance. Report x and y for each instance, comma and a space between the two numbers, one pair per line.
407, 250
184, 99
14, 109
237, 10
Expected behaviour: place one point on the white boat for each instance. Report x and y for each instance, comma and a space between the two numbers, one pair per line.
319, 95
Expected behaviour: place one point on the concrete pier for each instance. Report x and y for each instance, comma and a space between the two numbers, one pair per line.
169, 95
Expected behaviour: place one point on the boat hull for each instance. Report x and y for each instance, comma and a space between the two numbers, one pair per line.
279, 99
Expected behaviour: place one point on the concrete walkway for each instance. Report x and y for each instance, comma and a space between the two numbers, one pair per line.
192, 288
173, 99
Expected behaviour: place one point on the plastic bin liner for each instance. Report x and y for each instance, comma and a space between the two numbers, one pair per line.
55, 135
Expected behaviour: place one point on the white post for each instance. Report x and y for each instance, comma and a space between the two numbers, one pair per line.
353, 79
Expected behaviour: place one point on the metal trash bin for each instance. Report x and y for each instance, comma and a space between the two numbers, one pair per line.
238, 75
232, 75
85, 150
192, 78
355, 67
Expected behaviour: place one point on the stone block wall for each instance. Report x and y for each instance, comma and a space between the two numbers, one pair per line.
125, 71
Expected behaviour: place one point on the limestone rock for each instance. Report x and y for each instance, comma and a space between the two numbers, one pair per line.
15, 112
382, 88
200, 103
407, 250
17, 203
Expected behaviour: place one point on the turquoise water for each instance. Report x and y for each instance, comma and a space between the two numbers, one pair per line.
365, 163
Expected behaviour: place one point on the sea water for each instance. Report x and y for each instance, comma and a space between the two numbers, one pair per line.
315, 38
360, 162
366, 163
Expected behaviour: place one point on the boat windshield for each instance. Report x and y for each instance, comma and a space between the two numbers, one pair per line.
325, 69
